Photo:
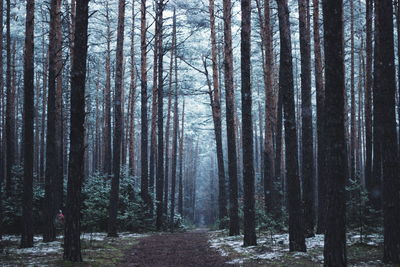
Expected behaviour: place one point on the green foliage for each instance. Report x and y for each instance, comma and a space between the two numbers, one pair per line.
132, 214
361, 217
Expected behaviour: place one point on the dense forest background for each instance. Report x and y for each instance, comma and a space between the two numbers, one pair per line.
243, 115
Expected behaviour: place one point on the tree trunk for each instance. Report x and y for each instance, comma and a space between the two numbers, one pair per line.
216, 111
132, 100
107, 116
352, 98
336, 172
384, 103
72, 245
3, 134
181, 142
144, 186
160, 120
250, 238
234, 228
27, 213
368, 98
10, 123
319, 85
114, 195
307, 157
175, 129
296, 230
51, 172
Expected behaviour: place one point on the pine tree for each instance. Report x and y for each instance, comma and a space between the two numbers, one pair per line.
72, 244
336, 172
27, 217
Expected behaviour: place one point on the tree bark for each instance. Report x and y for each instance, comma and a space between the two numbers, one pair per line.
234, 228
216, 111
319, 85
27, 214
10, 123
335, 141
72, 245
296, 227
368, 98
51, 172
307, 157
175, 129
181, 142
144, 185
384, 103
114, 195
107, 94
250, 238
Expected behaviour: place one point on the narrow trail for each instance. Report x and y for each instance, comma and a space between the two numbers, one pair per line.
175, 250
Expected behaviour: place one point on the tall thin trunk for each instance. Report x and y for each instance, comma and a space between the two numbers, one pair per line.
307, 157
132, 100
181, 142
250, 238
352, 98
216, 111
107, 116
27, 217
335, 141
296, 230
175, 129
234, 227
319, 85
153, 138
51, 172
368, 97
160, 120
167, 137
10, 123
385, 105
2, 122
114, 195
72, 245
144, 185
59, 182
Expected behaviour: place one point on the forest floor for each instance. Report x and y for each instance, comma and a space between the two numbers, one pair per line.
97, 250
273, 250
192, 248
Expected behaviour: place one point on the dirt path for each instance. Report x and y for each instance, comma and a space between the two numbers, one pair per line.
175, 250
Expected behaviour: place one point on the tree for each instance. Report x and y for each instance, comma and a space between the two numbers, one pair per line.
132, 99
181, 142
319, 85
368, 98
296, 227
114, 195
2, 144
250, 238
10, 123
107, 101
27, 220
72, 245
51, 172
271, 196
160, 120
336, 166
384, 104
175, 128
307, 166
216, 111
234, 227
144, 185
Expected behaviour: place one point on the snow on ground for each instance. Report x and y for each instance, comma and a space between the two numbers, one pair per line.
275, 247
41, 249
